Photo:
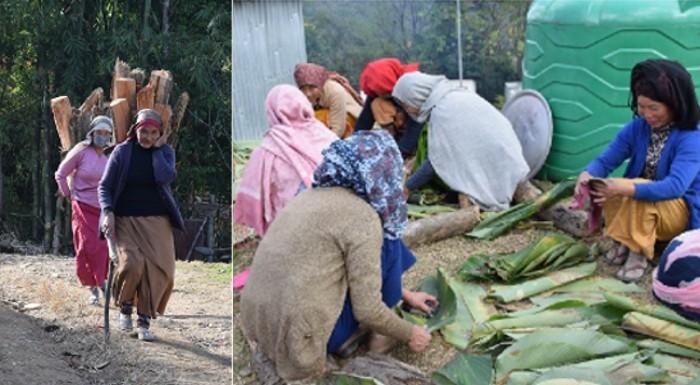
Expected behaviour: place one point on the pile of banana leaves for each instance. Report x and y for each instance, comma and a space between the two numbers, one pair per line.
497, 224
553, 251
571, 327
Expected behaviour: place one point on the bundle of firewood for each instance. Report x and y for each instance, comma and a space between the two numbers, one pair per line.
129, 95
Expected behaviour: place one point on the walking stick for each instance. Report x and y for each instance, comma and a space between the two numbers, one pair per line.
108, 290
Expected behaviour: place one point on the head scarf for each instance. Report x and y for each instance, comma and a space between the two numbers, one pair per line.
148, 117
416, 90
310, 74
316, 75
295, 138
368, 163
379, 76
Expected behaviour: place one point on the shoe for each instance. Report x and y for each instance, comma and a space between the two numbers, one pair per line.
634, 269
94, 298
125, 322
145, 334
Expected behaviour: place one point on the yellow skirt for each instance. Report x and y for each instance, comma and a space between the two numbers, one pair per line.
638, 224
322, 114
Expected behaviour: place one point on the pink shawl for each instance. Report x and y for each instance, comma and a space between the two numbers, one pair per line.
289, 153
584, 201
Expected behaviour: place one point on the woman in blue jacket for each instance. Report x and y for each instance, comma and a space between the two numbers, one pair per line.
139, 211
659, 196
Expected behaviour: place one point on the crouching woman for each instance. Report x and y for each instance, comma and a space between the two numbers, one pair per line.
332, 261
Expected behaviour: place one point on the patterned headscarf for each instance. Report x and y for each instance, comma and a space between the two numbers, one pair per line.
369, 163
310, 74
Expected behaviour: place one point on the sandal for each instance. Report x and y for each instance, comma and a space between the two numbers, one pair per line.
617, 255
634, 269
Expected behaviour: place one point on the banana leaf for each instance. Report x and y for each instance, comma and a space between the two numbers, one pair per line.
556, 347
466, 369
549, 253
447, 309
669, 348
662, 329
510, 293
683, 372
658, 311
470, 311
415, 319
602, 284
590, 298
498, 224
341, 378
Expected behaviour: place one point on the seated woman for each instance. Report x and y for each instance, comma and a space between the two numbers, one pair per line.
333, 260
676, 281
471, 146
336, 103
287, 157
377, 80
659, 196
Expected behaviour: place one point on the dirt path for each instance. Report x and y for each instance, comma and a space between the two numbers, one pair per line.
50, 335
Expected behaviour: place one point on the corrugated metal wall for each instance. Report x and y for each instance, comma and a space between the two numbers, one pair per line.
268, 40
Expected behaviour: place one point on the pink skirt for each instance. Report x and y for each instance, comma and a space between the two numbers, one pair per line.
91, 254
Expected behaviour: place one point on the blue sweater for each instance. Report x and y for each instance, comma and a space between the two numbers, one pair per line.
114, 178
677, 173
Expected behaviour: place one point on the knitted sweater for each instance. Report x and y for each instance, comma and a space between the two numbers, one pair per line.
325, 244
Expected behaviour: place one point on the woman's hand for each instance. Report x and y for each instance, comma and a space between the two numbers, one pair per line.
162, 140
420, 338
108, 223
583, 178
420, 300
613, 188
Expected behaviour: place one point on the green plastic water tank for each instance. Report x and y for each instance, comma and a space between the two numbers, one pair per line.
579, 55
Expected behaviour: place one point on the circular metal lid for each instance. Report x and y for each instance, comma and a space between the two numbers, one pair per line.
531, 118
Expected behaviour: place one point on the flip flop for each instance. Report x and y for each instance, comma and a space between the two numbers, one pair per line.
617, 255
634, 269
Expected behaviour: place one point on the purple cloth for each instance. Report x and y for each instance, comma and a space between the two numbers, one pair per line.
114, 178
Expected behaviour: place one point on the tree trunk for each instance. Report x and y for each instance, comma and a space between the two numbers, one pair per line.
2, 180
166, 27
115, 6
36, 182
146, 13
441, 226
57, 227
94, 99
47, 173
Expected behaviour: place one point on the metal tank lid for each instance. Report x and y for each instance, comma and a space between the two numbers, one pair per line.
531, 118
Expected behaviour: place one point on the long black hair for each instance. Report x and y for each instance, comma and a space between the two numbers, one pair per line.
667, 82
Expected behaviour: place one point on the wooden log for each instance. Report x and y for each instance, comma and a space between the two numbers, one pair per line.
95, 99
162, 82
144, 98
139, 76
62, 113
441, 226
165, 112
121, 118
125, 88
526, 191
385, 369
121, 70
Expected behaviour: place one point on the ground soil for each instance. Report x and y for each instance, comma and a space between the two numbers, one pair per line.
51, 336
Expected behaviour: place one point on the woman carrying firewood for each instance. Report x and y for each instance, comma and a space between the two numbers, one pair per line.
85, 163
336, 103
139, 212
659, 195
333, 260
